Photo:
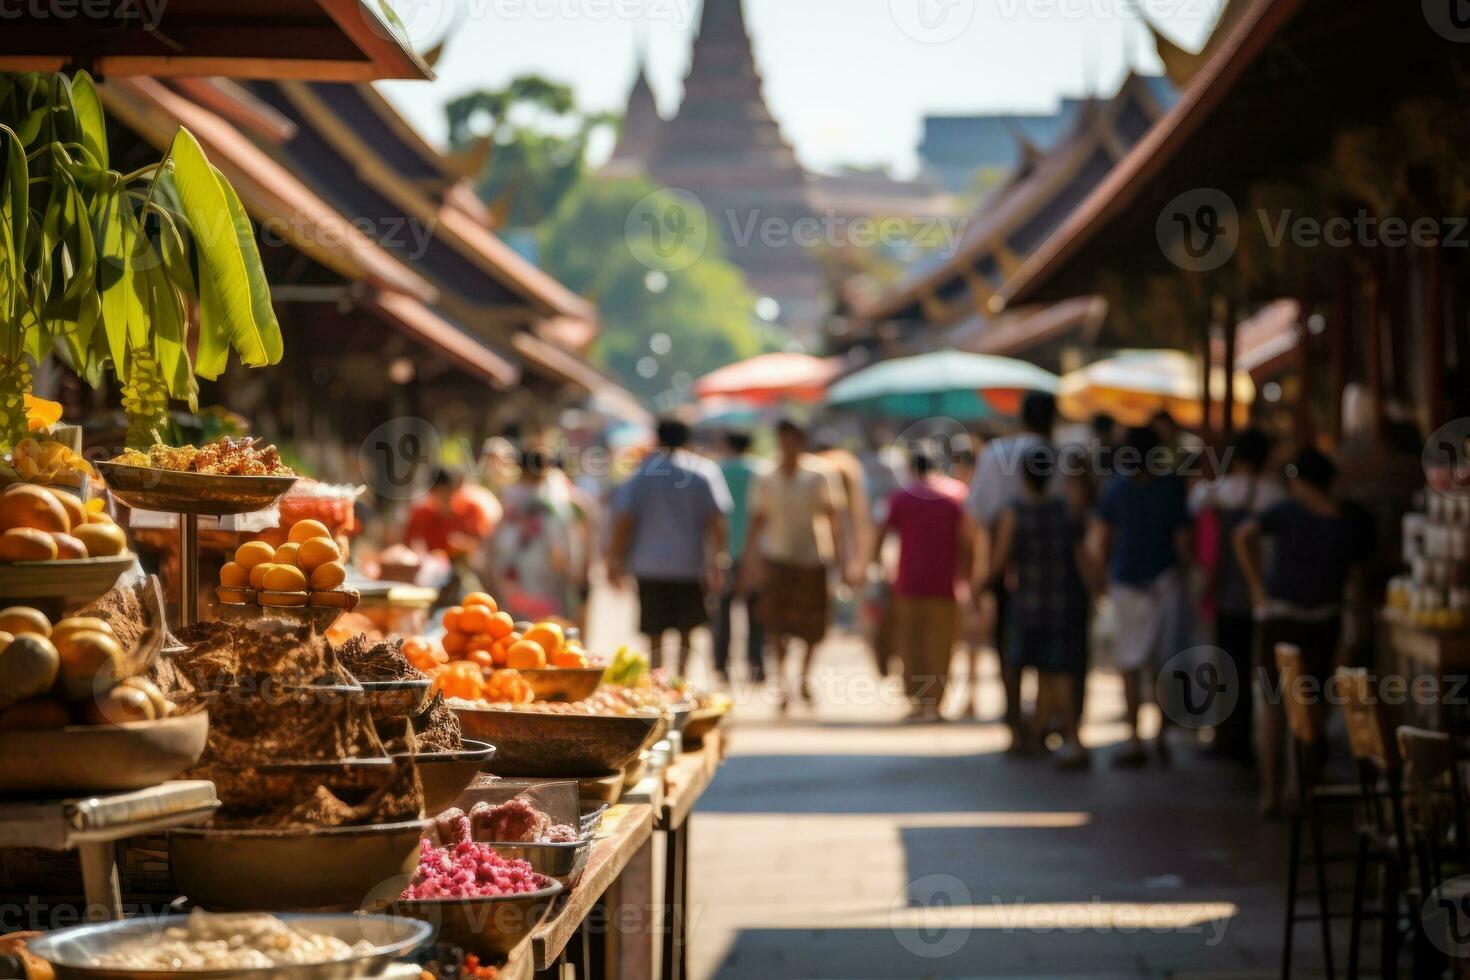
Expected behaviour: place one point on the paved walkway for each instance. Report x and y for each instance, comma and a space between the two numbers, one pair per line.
839, 843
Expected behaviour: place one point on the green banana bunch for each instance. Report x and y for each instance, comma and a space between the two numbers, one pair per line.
628, 667
145, 400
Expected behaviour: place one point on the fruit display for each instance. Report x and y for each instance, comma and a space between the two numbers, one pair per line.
470, 870
44, 461
332, 505
307, 570
70, 672
223, 457
41, 524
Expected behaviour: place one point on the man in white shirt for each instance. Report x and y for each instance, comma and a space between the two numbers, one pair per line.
793, 538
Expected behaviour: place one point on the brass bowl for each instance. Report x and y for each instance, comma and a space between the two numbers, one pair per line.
191, 493
301, 869
563, 683
101, 758
76, 581
445, 775
489, 927
532, 743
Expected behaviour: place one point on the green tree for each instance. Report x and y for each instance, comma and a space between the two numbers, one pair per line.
537, 145
598, 245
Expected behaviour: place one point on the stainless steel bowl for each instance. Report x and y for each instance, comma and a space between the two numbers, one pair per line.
71, 951
563, 862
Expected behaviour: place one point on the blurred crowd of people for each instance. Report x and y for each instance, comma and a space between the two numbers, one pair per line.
1122, 547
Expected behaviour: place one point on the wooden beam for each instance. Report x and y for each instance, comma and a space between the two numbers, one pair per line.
1228, 401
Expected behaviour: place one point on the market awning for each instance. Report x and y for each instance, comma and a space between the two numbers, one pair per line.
419, 320
771, 377
285, 208
1018, 331
339, 40
1135, 385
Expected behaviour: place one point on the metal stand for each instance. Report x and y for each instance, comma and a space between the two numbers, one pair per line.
188, 569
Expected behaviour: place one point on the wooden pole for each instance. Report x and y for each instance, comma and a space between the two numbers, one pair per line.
1435, 358
1338, 341
1302, 411
1228, 423
1373, 338
1206, 401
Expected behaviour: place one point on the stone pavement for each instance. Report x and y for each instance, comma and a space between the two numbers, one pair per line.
840, 843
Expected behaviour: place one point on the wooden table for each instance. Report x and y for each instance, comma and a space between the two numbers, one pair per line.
567, 935
685, 781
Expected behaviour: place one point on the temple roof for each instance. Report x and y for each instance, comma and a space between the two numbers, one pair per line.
638, 138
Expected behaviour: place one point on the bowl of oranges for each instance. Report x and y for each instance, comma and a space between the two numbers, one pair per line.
303, 578
547, 656
54, 545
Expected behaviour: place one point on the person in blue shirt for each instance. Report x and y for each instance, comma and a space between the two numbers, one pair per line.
1141, 535
669, 533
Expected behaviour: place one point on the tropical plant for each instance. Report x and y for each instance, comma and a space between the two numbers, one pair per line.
536, 140
107, 269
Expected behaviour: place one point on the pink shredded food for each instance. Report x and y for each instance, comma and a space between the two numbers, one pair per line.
469, 869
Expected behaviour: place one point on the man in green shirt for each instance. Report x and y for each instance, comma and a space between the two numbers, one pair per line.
740, 469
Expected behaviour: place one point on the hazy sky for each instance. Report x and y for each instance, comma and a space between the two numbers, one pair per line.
849, 80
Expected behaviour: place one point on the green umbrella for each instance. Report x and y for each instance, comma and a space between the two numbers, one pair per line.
950, 383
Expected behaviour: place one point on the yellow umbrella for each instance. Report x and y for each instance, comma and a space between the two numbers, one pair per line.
1134, 385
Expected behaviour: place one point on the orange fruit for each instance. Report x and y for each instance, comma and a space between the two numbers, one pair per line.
257, 574
451, 619
286, 553
455, 643
568, 658
316, 551
329, 575
475, 619
23, 619
68, 547
26, 505
101, 539
481, 658
482, 599
500, 653
283, 578
253, 553
27, 544
233, 575
306, 530
501, 625
478, 641
525, 655
75, 509
549, 635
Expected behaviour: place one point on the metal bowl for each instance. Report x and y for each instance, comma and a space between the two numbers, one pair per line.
307, 868
563, 862
395, 700
192, 493
563, 683
484, 926
592, 812
445, 775
71, 951
532, 743
76, 581
101, 758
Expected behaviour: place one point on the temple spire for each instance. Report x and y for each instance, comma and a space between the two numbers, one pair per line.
638, 139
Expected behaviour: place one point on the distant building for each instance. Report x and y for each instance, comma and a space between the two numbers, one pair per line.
724, 146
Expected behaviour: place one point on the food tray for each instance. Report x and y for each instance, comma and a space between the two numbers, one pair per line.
70, 951
75, 581
530, 743
306, 868
563, 862
488, 927
192, 493
445, 775
100, 758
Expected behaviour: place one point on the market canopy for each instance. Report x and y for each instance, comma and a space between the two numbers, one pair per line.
329, 40
1134, 386
950, 383
769, 378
